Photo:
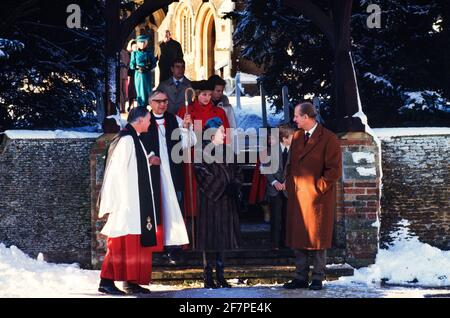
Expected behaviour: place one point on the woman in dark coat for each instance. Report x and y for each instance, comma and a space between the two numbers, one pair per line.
218, 189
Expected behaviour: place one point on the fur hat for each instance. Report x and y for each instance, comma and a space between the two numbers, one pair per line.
202, 85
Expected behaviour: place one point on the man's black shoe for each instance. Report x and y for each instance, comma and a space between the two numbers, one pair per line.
172, 258
131, 288
107, 287
296, 283
316, 285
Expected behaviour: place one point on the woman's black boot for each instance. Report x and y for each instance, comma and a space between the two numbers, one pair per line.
208, 280
220, 274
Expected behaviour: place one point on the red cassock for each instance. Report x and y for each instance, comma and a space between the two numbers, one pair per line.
126, 260
258, 188
203, 113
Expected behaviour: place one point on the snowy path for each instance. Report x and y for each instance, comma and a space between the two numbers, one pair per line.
406, 260
22, 276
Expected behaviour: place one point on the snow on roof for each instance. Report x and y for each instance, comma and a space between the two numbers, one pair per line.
49, 134
386, 133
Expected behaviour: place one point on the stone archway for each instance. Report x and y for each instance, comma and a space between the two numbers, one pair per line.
206, 41
209, 42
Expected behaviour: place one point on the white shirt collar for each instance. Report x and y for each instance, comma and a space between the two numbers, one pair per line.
283, 146
175, 80
158, 116
311, 131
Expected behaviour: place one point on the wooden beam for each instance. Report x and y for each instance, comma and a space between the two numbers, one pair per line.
342, 13
112, 10
138, 16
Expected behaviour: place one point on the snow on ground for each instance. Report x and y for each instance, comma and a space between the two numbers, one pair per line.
250, 114
22, 276
407, 260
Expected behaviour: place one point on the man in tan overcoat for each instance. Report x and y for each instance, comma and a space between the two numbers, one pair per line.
313, 168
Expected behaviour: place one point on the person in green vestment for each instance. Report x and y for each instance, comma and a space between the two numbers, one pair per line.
142, 61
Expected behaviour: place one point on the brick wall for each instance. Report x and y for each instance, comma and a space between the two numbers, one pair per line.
355, 239
358, 194
97, 165
46, 198
416, 187
49, 188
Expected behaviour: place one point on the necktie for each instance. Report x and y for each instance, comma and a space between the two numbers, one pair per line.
177, 83
306, 137
285, 156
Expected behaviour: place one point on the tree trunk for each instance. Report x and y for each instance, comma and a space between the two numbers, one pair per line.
337, 31
346, 97
112, 12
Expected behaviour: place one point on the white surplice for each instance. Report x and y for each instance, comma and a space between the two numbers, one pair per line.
174, 227
120, 191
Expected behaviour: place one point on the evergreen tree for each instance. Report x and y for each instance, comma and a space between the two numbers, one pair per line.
290, 49
54, 79
402, 67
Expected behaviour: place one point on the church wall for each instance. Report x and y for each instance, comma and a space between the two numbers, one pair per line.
46, 198
49, 188
199, 12
416, 187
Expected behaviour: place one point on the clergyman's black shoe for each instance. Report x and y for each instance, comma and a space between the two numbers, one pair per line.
131, 288
107, 287
172, 259
316, 285
296, 283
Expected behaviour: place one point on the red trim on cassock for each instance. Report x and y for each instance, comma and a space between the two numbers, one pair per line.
127, 260
258, 188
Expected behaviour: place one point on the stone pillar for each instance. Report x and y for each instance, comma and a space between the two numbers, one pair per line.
97, 166
358, 198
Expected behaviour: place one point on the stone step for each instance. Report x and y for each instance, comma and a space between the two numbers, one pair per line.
244, 257
242, 274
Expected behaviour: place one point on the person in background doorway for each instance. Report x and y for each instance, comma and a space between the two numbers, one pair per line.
143, 62
221, 100
176, 86
131, 90
170, 50
124, 64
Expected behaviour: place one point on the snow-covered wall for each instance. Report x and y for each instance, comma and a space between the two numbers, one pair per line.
416, 183
45, 195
